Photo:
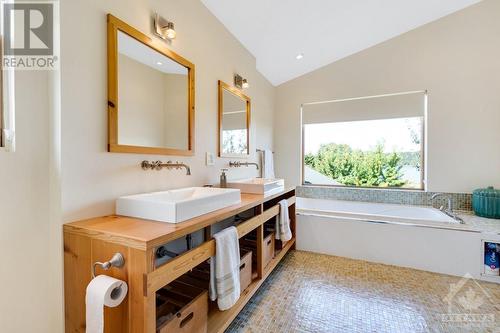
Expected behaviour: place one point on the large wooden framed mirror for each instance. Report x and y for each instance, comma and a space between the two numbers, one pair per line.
150, 95
234, 122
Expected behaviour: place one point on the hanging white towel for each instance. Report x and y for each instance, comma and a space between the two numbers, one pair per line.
225, 269
268, 165
283, 231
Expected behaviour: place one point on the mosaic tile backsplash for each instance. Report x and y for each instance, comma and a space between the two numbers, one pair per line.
461, 201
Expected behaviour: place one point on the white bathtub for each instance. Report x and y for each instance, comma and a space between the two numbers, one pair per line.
376, 212
417, 237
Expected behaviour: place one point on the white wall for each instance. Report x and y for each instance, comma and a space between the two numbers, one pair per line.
31, 251
92, 178
455, 59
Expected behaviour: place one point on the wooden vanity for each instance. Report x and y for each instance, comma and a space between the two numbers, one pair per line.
88, 241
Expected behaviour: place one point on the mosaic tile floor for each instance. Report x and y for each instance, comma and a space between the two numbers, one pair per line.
318, 293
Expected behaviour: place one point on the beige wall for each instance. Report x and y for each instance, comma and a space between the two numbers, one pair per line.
92, 178
456, 59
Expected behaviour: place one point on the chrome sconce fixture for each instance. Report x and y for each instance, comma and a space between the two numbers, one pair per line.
240, 82
163, 28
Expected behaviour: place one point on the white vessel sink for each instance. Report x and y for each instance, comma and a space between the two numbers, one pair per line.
175, 206
263, 186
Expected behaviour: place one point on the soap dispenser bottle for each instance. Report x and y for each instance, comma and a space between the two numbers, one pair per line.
223, 178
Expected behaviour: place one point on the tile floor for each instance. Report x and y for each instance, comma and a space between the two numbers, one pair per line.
318, 293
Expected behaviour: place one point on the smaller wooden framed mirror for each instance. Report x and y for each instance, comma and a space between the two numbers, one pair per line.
150, 95
234, 122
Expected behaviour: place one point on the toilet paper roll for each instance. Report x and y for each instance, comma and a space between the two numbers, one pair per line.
102, 291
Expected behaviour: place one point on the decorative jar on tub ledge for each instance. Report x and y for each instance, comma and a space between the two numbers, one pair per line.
486, 202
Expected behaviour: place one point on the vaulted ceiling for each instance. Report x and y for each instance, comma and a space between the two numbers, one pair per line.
276, 32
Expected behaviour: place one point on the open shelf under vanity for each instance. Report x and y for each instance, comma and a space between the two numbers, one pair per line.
172, 295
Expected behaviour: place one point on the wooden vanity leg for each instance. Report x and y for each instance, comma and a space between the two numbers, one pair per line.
150, 314
258, 209
260, 253
207, 233
77, 275
140, 308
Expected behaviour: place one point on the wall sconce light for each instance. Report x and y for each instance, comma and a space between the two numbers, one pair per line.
240, 82
163, 28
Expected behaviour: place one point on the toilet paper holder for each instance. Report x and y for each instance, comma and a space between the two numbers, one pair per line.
116, 261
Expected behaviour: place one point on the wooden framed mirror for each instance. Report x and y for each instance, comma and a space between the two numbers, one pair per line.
234, 122
150, 95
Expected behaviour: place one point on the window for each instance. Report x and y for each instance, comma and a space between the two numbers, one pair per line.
234, 141
365, 142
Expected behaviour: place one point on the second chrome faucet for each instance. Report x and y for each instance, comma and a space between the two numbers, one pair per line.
237, 164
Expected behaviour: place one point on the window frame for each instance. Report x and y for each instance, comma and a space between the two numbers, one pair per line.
423, 146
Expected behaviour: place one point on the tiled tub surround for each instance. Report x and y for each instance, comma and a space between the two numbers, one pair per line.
461, 201
317, 293
481, 224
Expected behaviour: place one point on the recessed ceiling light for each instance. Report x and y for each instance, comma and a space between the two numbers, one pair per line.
299, 56
159, 63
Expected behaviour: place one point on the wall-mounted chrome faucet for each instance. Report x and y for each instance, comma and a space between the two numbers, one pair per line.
237, 164
448, 197
158, 165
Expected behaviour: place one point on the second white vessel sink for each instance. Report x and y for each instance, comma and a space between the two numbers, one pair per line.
175, 206
265, 186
